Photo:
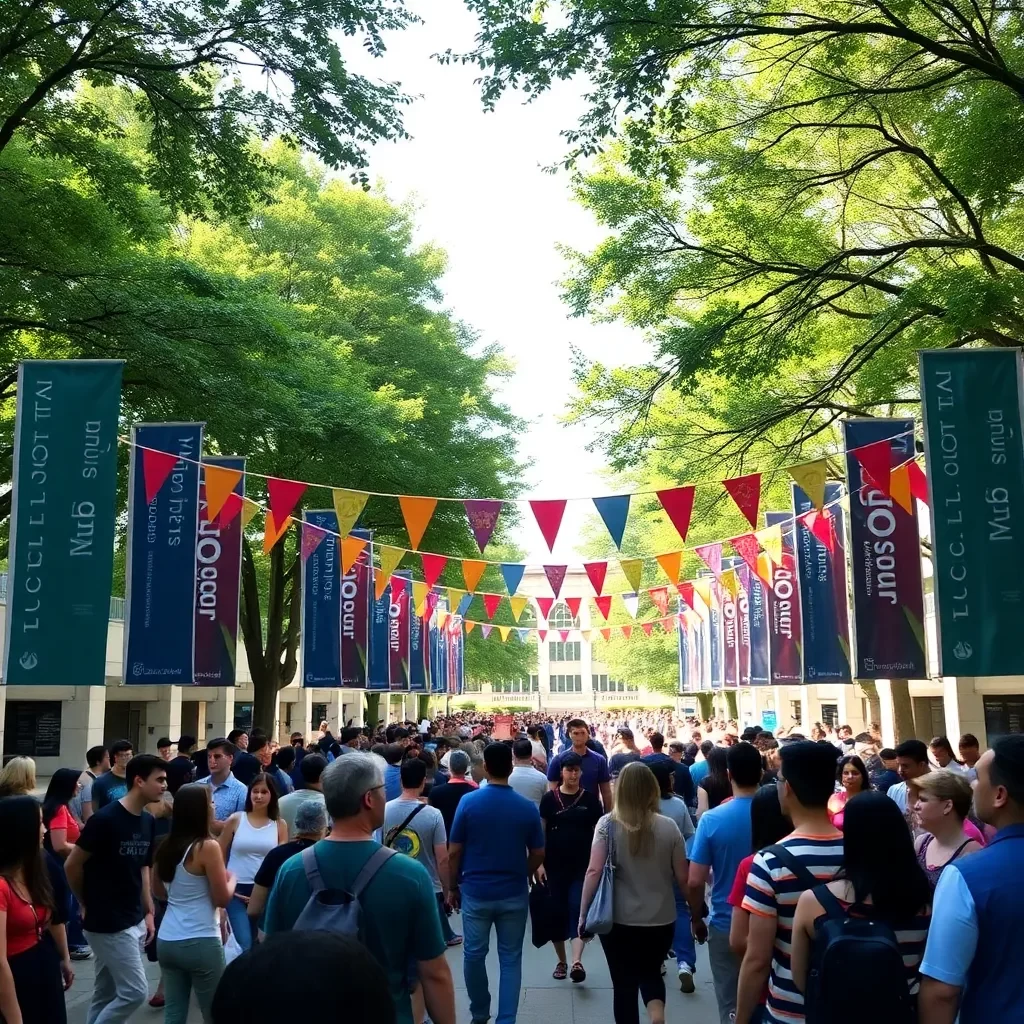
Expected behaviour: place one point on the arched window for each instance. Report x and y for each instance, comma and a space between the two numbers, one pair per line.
562, 618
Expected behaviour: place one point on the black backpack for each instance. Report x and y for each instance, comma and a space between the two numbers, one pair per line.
847, 947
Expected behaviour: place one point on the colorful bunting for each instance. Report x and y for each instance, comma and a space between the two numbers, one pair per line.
464, 602
647, 627
472, 570
417, 513
770, 538
486, 630
822, 526
482, 514
899, 488
632, 569
702, 587
351, 549
523, 634
156, 468
573, 604
747, 548
659, 595
518, 605
596, 572
810, 476
491, 602
764, 568
542, 634
606, 633
549, 518
512, 574
348, 507
876, 462
712, 556
614, 511
544, 604
389, 559
746, 492
604, 605
918, 482
678, 505
632, 603
503, 632
311, 538
670, 564
730, 582
284, 495
244, 505
419, 597
686, 592
455, 596
627, 631
470, 626
220, 484
398, 585
564, 634
433, 566
555, 575
271, 534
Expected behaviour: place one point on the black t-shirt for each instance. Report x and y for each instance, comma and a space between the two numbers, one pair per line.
120, 845
446, 798
179, 773
268, 870
619, 761
684, 784
570, 822
201, 763
245, 767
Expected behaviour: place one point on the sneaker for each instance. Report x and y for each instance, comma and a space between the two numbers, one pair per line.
686, 979
81, 953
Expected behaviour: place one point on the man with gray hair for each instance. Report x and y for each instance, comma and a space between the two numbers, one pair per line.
401, 927
446, 798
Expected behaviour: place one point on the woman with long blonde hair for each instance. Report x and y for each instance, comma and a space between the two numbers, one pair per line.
648, 855
18, 777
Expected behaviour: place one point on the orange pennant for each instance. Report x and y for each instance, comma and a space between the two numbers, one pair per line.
670, 563
271, 534
470, 626
220, 482
899, 488
417, 513
472, 570
351, 549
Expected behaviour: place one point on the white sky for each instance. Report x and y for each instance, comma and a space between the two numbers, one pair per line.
483, 197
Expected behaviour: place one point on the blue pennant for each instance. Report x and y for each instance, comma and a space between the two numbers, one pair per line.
614, 511
512, 573
523, 634
464, 603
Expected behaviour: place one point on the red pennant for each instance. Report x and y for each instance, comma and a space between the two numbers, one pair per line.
678, 504
555, 575
647, 627
821, 524
659, 595
627, 631
606, 633
918, 482
604, 605
156, 468
433, 566
746, 492
232, 506
747, 548
573, 604
686, 593
876, 462
597, 572
549, 518
491, 602
398, 584
564, 634
544, 604
542, 634
284, 496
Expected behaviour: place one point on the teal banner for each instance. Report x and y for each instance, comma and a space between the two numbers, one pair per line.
62, 522
972, 429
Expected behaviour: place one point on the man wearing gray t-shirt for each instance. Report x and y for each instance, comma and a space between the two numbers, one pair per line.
525, 779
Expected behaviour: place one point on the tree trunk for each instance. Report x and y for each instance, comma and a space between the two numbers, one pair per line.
902, 710
423, 706
706, 703
372, 709
732, 700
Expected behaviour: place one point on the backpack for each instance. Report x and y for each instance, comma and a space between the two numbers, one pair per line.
337, 910
846, 947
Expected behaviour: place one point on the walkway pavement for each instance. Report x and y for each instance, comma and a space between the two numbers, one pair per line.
544, 999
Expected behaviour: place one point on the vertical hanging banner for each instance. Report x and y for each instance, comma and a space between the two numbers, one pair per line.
460, 661
321, 595
821, 575
885, 550
439, 667
399, 613
715, 639
419, 653
218, 586
61, 552
730, 639
356, 595
785, 622
683, 631
743, 574
378, 670
757, 626
160, 592
972, 435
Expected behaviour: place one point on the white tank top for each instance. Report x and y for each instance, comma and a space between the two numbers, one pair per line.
249, 847
190, 910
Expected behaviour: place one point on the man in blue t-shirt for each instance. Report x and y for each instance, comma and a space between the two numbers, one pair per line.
722, 841
596, 778
496, 844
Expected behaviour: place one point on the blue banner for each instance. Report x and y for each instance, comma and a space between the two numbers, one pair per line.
419, 677
823, 600
321, 615
442, 659
757, 612
160, 590
459, 653
715, 638
685, 680
378, 670
434, 635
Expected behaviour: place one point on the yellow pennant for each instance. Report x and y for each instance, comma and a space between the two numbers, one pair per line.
417, 513
271, 534
351, 549
632, 569
702, 586
470, 626
249, 510
770, 539
389, 559
348, 507
899, 488
670, 563
518, 605
504, 631
454, 597
220, 482
419, 597
811, 478
586, 634
764, 567
472, 570
729, 580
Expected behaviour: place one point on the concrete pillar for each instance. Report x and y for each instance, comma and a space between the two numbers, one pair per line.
220, 715
808, 715
768, 698
352, 706
544, 671
851, 708
302, 712
163, 718
888, 719
81, 724
964, 708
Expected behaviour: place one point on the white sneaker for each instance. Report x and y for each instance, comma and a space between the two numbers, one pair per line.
686, 979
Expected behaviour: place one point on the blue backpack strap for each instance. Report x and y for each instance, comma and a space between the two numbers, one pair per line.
312, 869
377, 860
830, 904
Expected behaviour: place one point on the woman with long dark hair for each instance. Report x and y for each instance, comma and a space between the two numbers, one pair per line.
35, 968
246, 839
715, 787
191, 877
853, 777
880, 878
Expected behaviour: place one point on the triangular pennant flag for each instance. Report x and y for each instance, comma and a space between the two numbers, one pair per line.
586, 634
156, 468
351, 549
632, 569
627, 631
659, 595
555, 575
464, 602
604, 605
647, 627
770, 538
544, 604
472, 570
470, 626
678, 505
389, 559
573, 604
822, 526
614, 511
220, 484
632, 603
482, 514
419, 597
747, 548
311, 538
899, 488
512, 574
348, 507
235, 504
730, 582
596, 572
606, 633
564, 634
432, 598
504, 631
416, 512
398, 585
543, 634
764, 568
746, 492
712, 555
549, 518
918, 481
876, 462
670, 563
284, 496
518, 605
702, 587
523, 634
271, 533
491, 602
442, 617
433, 566
455, 596
486, 630
686, 592
810, 476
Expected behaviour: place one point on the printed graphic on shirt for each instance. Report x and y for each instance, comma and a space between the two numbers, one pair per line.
406, 841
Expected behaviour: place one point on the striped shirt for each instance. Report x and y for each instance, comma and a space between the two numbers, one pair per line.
773, 891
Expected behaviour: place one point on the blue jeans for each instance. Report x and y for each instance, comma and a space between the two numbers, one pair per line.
509, 920
238, 917
683, 942
76, 937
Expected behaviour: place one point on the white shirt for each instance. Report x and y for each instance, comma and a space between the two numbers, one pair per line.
527, 782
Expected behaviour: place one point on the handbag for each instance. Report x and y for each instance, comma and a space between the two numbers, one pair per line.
541, 914
601, 912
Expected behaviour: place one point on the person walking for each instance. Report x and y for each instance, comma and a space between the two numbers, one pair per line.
912, 763
596, 778
682, 784
525, 779
109, 873
942, 754
972, 960
446, 798
180, 769
244, 766
190, 876
970, 753
625, 751
715, 787
569, 816
311, 770
229, 795
62, 832
35, 967
246, 839
113, 785
399, 909
853, 778
942, 805
98, 761
648, 854
496, 844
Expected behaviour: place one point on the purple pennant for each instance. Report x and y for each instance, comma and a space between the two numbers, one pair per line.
555, 575
482, 514
486, 630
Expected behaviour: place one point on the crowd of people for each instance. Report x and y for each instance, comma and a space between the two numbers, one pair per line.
813, 868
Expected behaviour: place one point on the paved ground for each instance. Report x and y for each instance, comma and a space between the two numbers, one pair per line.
543, 1000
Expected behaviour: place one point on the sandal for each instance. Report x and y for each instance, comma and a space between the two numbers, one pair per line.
560, 971
577, 973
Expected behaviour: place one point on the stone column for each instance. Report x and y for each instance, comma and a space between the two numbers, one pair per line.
163, 718
964, 708
220, 714
81, 724
888, 719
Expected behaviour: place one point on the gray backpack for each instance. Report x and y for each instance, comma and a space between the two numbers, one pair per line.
337, 910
